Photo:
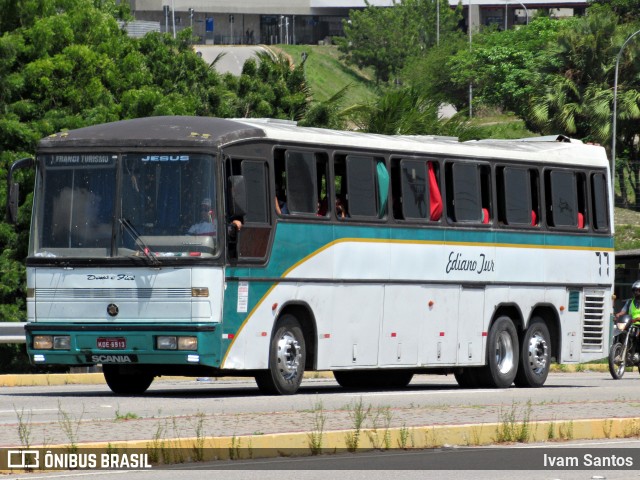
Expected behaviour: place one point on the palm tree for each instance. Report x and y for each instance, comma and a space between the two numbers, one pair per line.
403, 111
578, 97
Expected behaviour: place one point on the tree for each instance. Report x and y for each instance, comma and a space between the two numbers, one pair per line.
503, 66
626, 10
384, 37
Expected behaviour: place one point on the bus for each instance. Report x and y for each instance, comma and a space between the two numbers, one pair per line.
198, 246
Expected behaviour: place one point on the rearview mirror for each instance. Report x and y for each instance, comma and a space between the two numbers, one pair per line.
12, 202
13, 193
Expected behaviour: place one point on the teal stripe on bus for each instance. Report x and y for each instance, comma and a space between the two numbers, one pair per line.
296, 241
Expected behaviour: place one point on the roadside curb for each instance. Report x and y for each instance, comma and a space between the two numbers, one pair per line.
52, 379
198, 449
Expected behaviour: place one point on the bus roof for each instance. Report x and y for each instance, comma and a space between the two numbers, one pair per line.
210, 132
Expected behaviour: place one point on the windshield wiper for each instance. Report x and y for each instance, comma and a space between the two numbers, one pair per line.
128, 226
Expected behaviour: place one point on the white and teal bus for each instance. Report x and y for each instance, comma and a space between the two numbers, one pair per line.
374, 257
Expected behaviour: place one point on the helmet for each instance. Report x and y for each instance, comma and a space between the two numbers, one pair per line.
636, 285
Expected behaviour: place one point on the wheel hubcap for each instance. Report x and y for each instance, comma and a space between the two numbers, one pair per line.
504, 353
288, 356
538, 353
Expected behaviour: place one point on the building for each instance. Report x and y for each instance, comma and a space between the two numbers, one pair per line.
310, 21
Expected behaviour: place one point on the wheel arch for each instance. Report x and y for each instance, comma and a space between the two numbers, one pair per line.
550, 317
304, 314
512, 311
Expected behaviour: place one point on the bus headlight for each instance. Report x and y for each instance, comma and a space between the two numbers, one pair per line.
176, 343
51, 342
167, 343
43, 342
187, 343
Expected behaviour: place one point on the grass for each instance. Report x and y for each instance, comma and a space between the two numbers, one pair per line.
627, 234
327, 74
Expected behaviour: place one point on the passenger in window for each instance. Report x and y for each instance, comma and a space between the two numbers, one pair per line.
281, 202
323, 207
207, 224
341, 209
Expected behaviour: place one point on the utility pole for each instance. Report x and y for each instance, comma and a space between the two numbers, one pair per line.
173, 18
470, 49
615, 104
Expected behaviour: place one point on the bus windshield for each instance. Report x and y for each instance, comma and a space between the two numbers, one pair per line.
106, 205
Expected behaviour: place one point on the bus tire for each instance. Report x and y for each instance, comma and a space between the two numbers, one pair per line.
124, 380
502, 355
363, 379
287, 354
535, 359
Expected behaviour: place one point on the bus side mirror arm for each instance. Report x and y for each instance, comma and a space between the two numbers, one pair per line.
13, 190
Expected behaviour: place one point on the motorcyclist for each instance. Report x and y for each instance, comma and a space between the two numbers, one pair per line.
632, 306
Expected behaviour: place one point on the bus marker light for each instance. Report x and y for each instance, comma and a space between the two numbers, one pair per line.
326, 335
442, 334
394, 334
193, 358
38, 358
228, 336
274, 306
485, 334
431, 303
194, 254
562, 308
263, 334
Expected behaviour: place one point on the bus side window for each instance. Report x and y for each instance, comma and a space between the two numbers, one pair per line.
565, 198
253, 238
517, 202
416, 190
599, 204
465, 195
301, 182
411, 194
362, 186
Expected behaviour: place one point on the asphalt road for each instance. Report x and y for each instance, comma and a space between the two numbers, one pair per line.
180, 408
233, 58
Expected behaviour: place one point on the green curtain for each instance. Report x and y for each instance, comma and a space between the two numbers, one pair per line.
383, 187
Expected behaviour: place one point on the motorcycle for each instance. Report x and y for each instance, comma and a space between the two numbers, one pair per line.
625, 347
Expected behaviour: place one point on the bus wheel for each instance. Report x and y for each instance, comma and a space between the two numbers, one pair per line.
360, 379
534, 355
287, 355
502, 355
123, 380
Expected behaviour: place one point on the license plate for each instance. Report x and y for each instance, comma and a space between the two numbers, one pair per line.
117, 343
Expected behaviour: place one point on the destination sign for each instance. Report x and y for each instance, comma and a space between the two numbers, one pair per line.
84, 159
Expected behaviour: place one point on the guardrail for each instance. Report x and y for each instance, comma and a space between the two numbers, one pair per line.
12, 332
